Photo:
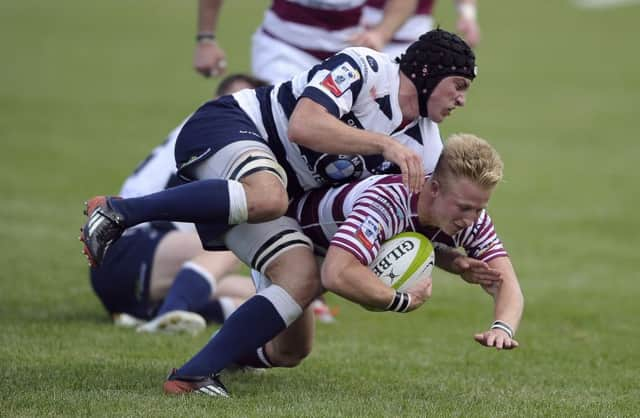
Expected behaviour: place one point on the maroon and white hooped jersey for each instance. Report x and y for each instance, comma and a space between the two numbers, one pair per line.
417, 24
318, 27
360, 216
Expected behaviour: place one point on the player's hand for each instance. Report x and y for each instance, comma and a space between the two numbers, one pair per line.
470, 30
477, 271
420, 292
496, 338
369, 38
209, 59
410, 164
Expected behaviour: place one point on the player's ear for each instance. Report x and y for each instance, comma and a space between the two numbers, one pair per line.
435, 188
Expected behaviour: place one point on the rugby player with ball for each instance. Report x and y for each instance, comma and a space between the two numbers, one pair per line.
349, 224
352, 222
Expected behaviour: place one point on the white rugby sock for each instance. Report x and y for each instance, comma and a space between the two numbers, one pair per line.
284, 304
238, 211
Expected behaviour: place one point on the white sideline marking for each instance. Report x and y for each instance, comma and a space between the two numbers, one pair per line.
603, 4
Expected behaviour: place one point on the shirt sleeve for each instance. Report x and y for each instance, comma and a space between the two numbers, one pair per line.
379, 214
335, 83
480, 240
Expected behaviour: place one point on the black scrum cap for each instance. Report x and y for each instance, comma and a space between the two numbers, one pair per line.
436, 55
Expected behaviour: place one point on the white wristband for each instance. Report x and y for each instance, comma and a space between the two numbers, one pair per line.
468, 11
503, 326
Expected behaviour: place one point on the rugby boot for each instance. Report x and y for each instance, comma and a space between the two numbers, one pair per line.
124, 320
175, 322
103, 227
208, 385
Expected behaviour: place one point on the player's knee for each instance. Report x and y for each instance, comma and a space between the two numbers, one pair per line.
296, 271
293, 357
267, 198
269, 206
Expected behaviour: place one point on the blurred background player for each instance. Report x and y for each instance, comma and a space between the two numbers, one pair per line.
421, 21
296, 35
158, 271
450, 210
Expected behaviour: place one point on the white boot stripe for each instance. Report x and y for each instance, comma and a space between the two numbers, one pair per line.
95, 218
96, 224
92, 219
207, 391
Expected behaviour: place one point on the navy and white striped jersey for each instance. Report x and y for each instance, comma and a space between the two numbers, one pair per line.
360, 216
360, 87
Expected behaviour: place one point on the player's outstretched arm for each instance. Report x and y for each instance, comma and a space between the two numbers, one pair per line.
470, 269
508, 308
345, 276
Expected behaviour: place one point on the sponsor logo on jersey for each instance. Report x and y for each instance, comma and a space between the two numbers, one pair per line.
368, 232
384, 167
372, 63
243, 132
340, 79
339, 169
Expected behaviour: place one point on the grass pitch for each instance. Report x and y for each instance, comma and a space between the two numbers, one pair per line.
88, 88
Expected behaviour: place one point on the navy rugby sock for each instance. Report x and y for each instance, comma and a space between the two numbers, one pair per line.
217, 310
257, 359
190, 291
202, 201
252, 325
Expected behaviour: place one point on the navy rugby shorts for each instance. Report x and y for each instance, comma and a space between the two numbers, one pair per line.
122, 280
215, 125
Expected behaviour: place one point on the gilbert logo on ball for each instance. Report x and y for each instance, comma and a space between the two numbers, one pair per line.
403, 260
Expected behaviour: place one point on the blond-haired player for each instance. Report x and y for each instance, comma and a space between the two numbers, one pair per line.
350, 222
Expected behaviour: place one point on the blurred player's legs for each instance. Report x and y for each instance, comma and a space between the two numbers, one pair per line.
322, 312
189, 288
155, 265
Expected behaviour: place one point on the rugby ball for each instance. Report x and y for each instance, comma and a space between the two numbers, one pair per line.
403, 260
